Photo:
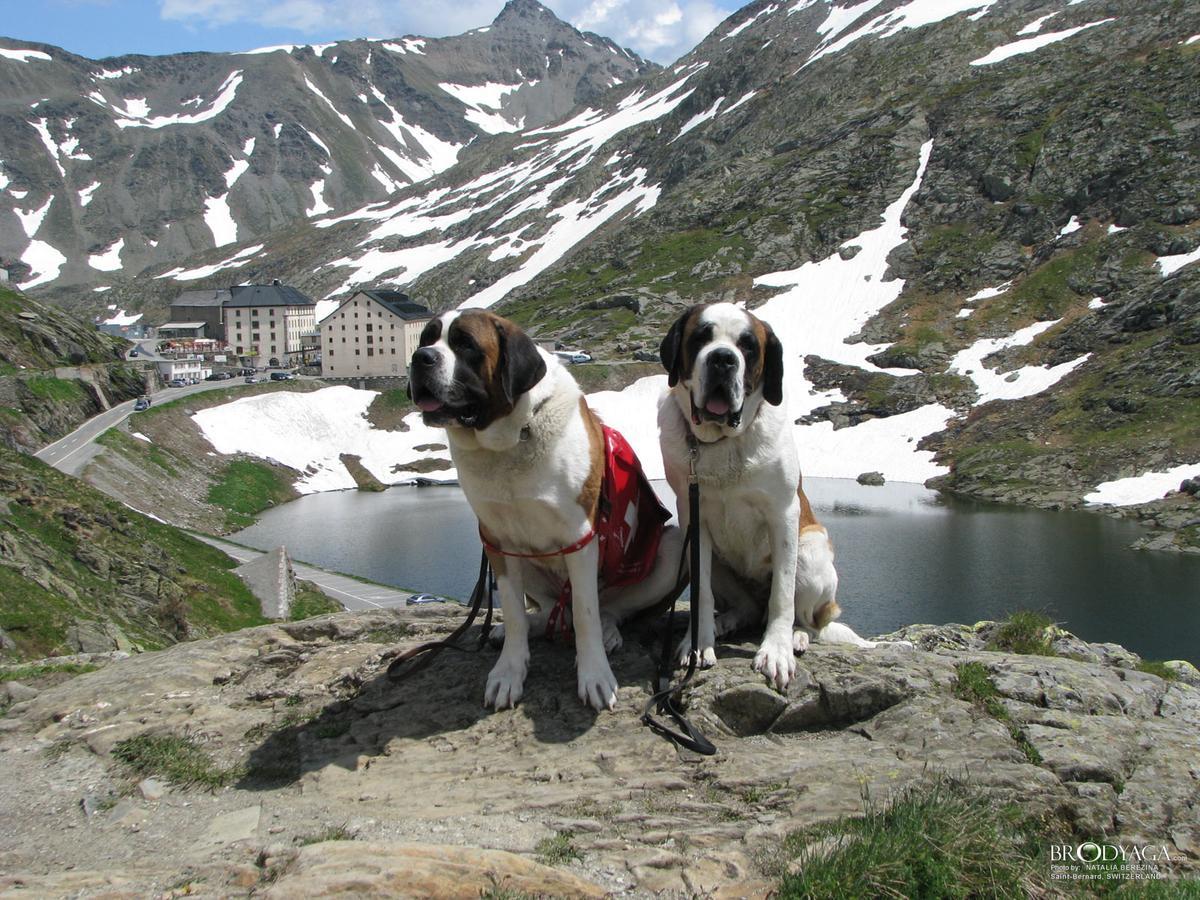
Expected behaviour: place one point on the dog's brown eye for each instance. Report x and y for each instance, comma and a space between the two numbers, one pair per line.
748, 343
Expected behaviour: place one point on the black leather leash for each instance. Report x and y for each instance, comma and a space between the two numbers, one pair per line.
421, 656
667, 699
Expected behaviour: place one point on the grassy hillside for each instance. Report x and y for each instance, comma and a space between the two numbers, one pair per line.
79, 569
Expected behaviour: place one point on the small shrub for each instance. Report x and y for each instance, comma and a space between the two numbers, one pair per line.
1025, 632
558, 850
938, 842
177, 759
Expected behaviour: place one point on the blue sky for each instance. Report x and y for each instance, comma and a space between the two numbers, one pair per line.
661, 30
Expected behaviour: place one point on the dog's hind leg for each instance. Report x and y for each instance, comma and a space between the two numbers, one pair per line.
618, 604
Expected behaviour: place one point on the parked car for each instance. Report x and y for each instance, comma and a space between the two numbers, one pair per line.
177, 382
282, 376
251, 379
573, 356
248, 371
133, 353
219, 376
141, 404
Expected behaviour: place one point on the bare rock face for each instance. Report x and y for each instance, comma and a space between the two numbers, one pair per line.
341, 868
324, 777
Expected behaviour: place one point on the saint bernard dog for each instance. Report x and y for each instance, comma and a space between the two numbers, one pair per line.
760, 544
531, 459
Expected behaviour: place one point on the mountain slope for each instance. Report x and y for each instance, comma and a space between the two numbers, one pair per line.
110, 166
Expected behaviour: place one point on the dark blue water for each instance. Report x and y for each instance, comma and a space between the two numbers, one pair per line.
904, 555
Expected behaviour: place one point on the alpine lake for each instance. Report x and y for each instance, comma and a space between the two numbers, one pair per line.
905, 555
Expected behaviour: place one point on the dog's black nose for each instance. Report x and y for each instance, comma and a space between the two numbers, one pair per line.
425, 358
722, 359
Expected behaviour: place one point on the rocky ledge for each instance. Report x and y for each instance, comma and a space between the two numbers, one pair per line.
280, 760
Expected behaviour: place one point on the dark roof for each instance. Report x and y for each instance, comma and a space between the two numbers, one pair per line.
202, 298
267, 295
398, 303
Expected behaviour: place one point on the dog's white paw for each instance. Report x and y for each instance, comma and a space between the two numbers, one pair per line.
506, 682
708, 655
611, 633
776, 660
597, 684
800, 640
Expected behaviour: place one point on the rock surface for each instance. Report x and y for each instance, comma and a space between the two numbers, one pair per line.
340, 781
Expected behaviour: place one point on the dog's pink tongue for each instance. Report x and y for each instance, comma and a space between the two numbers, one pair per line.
717, 407
430, 405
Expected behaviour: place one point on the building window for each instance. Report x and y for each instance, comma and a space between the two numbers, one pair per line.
370, 351
393, 351
356, 351
331, 351
370, 338
370, 327
254, 336
272, 335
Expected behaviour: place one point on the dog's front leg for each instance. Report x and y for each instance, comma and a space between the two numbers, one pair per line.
707, 605
506, 681
597, 684
775, 657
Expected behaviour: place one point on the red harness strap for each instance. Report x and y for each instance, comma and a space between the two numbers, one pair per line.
629, 524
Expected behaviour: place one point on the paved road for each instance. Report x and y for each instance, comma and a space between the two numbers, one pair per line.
73, 452
350, 593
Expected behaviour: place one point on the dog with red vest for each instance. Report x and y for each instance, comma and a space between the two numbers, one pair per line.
566, 516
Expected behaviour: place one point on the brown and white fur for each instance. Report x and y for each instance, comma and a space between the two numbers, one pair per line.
529, 454
759, 539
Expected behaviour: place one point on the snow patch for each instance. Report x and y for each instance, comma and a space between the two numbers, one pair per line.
989, 293
1036, 25
1029, 45
699, 119
1071, 227
319, 207
1023, 382
136, 113
238, 259
24, 55
738, 29
913, 14
1141, 488
316, 90
1169, 265
110, 259
309, 432
120, 317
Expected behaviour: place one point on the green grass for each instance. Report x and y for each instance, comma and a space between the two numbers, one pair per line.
50, 388
974, 684
118, 439
246, 488
932, 842
1149, 666
310, 601
28, 673
178, 759
557, 850
330, 833
1025, 632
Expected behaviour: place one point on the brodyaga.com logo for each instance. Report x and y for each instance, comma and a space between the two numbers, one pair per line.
1092, 861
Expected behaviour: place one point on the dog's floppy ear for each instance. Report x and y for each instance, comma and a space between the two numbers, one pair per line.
521, 366
670, 351
772, 368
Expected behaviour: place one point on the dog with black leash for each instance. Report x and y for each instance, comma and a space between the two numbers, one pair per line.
762, 550
566, 517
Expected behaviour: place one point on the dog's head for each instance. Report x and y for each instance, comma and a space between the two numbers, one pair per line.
727, 361
471, 369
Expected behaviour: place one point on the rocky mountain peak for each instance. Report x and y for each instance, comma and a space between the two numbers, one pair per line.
523, 10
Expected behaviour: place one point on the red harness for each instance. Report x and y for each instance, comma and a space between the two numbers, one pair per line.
629, 524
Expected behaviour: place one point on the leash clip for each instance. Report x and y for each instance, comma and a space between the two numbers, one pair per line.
693, 455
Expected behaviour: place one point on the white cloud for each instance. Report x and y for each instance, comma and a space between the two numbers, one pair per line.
662, 30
